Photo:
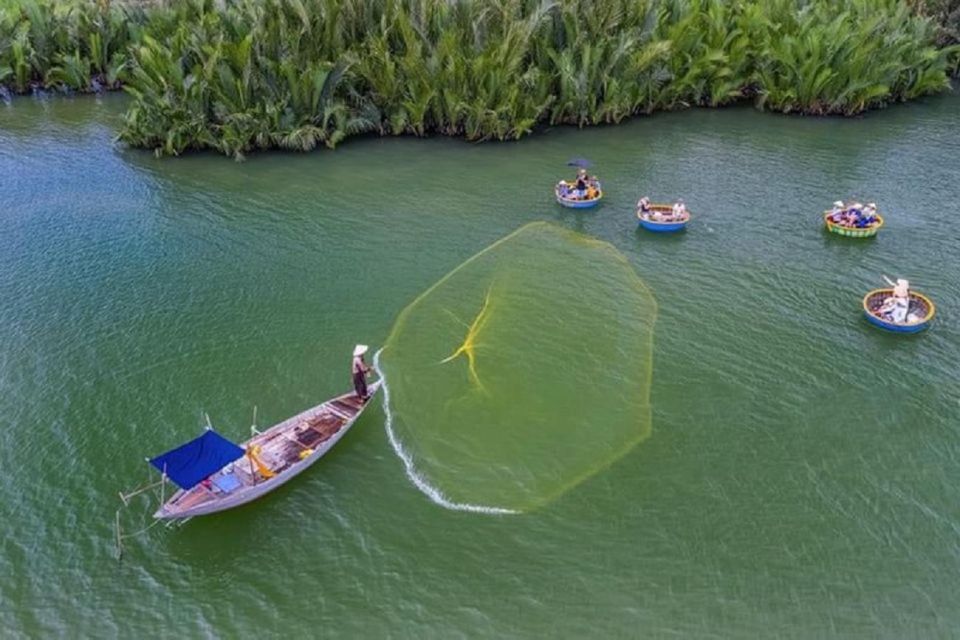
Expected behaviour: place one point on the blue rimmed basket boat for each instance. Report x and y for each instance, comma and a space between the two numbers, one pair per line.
574, 203
650, 223
852, 232
921, 309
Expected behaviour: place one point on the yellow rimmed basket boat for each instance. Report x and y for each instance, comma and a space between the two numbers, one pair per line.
575, 203
852, 232
919, 314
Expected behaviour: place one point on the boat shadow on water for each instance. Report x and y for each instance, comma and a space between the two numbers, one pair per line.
575, 219
670, 238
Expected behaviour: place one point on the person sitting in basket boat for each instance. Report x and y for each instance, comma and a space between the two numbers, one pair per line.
839, 212
855, 216
360, 371
869, 214
643, 206
897, 306
679, 209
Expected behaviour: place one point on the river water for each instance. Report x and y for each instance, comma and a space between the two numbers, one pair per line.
799, 480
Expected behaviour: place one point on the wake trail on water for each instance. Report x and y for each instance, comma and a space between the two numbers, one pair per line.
436, 496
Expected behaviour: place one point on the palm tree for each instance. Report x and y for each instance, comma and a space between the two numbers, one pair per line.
241, 75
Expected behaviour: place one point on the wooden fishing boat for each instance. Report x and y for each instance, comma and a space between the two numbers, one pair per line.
215, 474
668, 224
919, 314
574, 203
852, 232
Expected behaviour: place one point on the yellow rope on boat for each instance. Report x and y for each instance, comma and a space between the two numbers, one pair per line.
254, 454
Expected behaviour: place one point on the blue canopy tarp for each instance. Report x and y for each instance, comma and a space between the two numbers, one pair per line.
190, 463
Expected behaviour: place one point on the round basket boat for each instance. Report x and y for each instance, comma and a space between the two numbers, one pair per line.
575, 203
852, 232
919, 314
668, 225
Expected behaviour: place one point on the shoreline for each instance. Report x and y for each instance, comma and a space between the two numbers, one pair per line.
242, 76
538, 130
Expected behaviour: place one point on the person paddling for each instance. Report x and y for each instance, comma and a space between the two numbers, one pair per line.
897, 305
901, 288
360, 370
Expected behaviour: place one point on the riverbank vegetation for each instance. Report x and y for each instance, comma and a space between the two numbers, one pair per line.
946, 13
240, 75
75, 45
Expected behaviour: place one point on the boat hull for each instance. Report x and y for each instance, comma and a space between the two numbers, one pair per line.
852, 232
918, 301
896, 328
579, 204
570, 203
662, 226
248, 494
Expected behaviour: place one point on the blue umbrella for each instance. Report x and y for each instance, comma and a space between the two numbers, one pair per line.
583, 163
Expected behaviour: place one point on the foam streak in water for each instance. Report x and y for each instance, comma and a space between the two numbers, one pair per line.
435, 495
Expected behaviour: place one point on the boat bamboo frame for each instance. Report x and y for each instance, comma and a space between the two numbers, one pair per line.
852, 232
662, 226
573, 203
875, 298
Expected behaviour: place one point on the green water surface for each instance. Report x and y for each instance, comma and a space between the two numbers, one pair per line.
521, 373
800, 479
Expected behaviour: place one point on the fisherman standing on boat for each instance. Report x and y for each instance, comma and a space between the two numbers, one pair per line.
581, 184
360, 370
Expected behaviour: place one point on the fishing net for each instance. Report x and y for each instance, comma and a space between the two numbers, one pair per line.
522, 372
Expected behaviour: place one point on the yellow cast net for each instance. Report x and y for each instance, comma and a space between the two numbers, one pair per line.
522, 372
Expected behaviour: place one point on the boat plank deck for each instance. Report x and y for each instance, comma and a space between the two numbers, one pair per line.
284, 449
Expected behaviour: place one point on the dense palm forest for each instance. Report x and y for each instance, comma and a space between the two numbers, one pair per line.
240, 75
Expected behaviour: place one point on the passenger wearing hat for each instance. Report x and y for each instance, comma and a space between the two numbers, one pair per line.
360, 370
581, 184
643, 205
837, 214
679, 209
897, 305
855, 215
